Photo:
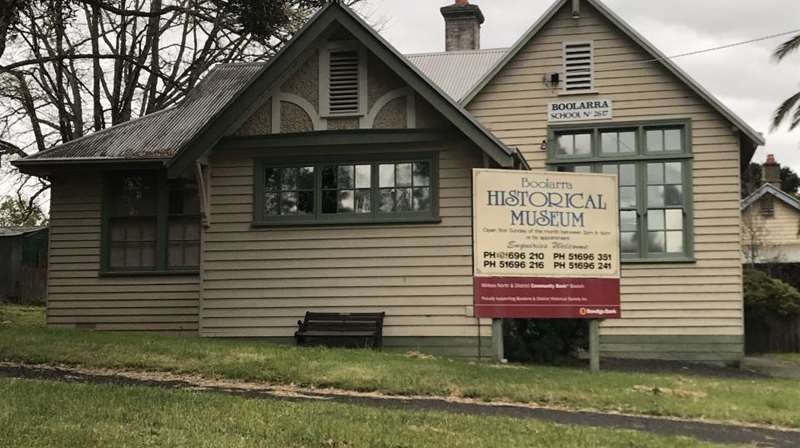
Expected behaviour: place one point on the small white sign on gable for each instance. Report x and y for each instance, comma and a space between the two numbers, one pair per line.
563, 111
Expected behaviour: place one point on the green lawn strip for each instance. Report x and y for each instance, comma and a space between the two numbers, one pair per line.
45, 414
739, 400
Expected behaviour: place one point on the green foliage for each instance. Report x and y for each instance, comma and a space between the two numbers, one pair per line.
765, 296
543, 340
16, 213
751, 180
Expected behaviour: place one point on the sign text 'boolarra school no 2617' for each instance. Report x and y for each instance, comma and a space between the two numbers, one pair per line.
546, 245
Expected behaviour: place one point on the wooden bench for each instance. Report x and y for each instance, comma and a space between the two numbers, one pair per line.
341, 330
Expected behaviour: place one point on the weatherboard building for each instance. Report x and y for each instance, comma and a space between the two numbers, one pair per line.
337, 177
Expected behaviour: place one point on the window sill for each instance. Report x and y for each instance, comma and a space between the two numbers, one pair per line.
658, 260
147, 273
379, 221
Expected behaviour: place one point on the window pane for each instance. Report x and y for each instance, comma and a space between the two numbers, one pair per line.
627, 174
305, 178
289, 179
655, 220
272, 179
386, 175
655, 173
629, 241
582, 169
305, 202
386, 203
675, 242
566, 145
627, 197
134, 195
363, 199
346, 177
422, 199
271, 207
403, 175
422, 174
346, 201
611, 169
404, 199
117, 258
655, 196
329, 201
148, 256
628, 221
655, 140
673, 195
329, 177
656, 242
674, 220
583, 144
673, 140
363, 176
673, 173
608, 142
288, 203
627, 142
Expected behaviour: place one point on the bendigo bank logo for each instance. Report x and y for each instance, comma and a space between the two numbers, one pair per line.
598, 311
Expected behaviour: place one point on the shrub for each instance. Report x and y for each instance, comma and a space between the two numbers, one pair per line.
543, 340
765, 296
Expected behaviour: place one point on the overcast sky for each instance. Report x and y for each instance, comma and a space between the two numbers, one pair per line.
745, 78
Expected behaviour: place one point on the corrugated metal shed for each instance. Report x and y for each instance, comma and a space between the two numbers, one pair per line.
160, 134
457, 72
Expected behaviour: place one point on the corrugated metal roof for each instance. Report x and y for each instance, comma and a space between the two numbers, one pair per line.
17, 231
457, 72
160, 134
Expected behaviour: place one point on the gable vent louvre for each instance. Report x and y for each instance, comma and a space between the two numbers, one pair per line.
578, 67
343, 83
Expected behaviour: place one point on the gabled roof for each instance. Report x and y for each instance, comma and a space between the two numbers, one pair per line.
755, 137
230, 93
457, 72
769, 189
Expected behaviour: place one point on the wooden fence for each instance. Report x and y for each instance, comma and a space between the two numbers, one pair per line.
772, 335
32, 285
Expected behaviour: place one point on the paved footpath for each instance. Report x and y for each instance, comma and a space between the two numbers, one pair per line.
706, 431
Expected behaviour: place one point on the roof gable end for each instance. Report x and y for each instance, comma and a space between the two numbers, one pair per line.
755, 138
769, 189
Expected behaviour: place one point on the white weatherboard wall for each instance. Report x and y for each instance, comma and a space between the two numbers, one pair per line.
260, 281
771, 240
79, 297
689, 311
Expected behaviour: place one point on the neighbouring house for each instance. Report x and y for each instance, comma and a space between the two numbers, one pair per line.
23, 264
337, 177
771, 221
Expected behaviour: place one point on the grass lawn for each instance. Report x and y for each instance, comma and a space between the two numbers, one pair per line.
24, 338
44, 414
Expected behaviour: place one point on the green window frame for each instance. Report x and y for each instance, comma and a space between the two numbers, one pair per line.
150, 224
653, 162
357, 189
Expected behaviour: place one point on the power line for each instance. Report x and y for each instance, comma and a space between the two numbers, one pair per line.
721, 47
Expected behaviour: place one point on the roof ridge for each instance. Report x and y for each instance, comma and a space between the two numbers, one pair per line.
447, 53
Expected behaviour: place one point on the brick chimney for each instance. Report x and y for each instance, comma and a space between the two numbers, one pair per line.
462, 26
771, 172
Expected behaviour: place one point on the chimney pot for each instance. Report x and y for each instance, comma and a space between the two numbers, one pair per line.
462, 22
771, 171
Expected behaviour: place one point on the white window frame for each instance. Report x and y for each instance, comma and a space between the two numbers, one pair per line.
324, 74
591, 88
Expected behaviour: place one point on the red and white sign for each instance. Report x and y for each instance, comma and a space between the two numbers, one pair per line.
546, 245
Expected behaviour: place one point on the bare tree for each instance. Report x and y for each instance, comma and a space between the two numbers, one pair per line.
71, 67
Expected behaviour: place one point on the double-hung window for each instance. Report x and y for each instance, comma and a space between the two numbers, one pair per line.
151, 224
347, 190
652, 163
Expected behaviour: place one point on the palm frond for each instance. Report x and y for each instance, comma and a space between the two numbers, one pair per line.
786, 48
783, 111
